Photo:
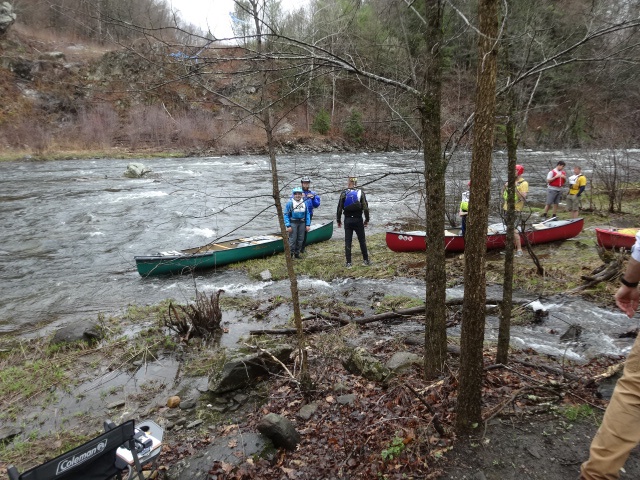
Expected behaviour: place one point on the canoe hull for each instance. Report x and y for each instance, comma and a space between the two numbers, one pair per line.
612, 238
454, 242
244, 249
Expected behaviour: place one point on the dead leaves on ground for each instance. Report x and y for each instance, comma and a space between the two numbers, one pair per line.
347, 440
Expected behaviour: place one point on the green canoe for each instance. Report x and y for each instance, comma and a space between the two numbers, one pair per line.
218, 254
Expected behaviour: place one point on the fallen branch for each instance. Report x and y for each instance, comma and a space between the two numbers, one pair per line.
549, 369
436, 421
612, 270
404, 312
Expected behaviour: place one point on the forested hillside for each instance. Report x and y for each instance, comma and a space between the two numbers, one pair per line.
130, 75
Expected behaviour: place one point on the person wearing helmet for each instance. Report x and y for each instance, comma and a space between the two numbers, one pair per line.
353, 203
313, 202
522, 188
556, 179
297, 220
464, 210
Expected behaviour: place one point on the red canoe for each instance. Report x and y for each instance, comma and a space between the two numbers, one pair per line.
549, 231
616, 237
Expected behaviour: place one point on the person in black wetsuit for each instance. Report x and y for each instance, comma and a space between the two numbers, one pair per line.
353, 203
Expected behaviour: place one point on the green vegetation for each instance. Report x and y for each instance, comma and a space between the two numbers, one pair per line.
322, 122
325, 261
394, 450
576, 412
138, 313
354, 130
206, 363
38, 449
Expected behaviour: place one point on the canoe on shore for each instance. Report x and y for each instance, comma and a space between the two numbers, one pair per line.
617, 238
537, 233
217, 254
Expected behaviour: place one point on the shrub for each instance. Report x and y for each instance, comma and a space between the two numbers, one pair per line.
354, 129
322, 122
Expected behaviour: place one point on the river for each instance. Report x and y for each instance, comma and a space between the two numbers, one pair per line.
71, 228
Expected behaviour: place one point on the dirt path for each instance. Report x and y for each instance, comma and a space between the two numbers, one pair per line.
528, 448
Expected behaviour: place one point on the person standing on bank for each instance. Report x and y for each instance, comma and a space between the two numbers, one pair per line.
577, 184
313, 202
522, 188
297, 220
619, 432
353, 203
556, 179
464, 210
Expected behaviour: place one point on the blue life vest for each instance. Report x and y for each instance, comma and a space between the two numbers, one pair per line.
352, 201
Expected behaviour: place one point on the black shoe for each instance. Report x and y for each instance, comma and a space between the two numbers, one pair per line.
544, 215
297, 255
366, 263
302, 251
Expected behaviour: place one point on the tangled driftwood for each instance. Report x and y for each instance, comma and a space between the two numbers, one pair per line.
605, 272
199, 319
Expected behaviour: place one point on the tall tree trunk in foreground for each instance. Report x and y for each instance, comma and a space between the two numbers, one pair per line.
434, 177
473, 313
264, 109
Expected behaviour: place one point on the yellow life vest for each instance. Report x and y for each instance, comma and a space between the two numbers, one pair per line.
516, 197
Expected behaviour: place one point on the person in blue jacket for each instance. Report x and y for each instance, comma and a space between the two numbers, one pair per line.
297, 219
313, 202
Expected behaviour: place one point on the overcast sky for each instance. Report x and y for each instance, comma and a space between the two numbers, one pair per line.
207, 14
214, 14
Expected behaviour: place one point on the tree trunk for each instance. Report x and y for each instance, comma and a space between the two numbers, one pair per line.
473, 316
504, 332
268, 128
434, 176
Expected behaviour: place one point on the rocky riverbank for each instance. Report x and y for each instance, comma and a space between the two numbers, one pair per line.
129, 367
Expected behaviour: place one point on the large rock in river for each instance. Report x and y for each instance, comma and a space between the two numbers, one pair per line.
136, 170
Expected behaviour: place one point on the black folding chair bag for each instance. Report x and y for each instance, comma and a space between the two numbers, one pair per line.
94, 460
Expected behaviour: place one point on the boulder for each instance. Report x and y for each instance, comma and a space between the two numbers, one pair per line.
7, 17
7, 434
245, 371
89, 332
279, 430
307, 411
265, 276
361, 362
400, 361
572, 333
136, 170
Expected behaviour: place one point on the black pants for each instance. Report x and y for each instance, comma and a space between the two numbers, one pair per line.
304, 242
354, 224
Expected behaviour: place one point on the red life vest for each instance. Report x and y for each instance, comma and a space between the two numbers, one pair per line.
558, 182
